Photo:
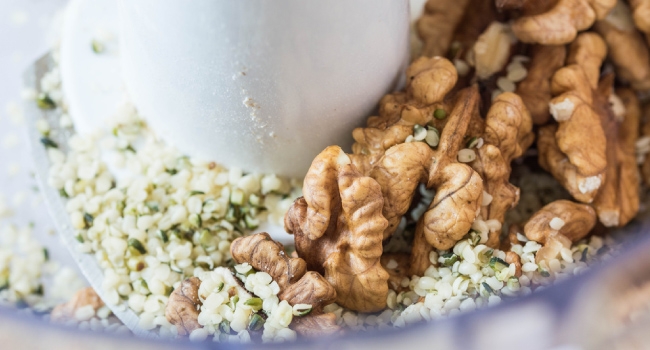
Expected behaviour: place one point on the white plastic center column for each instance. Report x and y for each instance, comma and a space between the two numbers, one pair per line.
262, 85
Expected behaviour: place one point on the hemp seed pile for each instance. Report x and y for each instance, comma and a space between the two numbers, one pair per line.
421, 220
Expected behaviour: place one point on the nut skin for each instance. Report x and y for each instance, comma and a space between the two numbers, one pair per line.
183, 307
297, 285
86, 296
578, 83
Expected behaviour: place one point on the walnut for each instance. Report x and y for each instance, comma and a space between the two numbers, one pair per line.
321, 221
476, 21
508, 126
447, 38
84, 297
495, 172
561, 23
183, 306
535, 89
577, 157
429, 82
578, 220
582, 188
602, 7
588, 51
338, 228
264, 254
552, 248
297, 285
184, 303
491, 51
404, 166
445, 221
450, 215
513, 258
316, 325
617, 201
558, 224
575, 88
508, 133
641, 14
627, 49
506, 246
437, 25
397, 265
578, 122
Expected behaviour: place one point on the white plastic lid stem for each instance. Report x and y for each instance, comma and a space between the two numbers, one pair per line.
263, 85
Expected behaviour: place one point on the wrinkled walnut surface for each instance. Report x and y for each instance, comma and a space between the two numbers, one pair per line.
437, 25
577, 156
183, 306
508, 133
561, 23
617, 201
297, 285
338, 230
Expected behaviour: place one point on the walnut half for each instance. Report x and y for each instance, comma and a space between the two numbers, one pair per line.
183, 307
338, 228
297, 285
558, 224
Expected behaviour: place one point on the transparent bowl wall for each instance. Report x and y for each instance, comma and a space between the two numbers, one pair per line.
579, 311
